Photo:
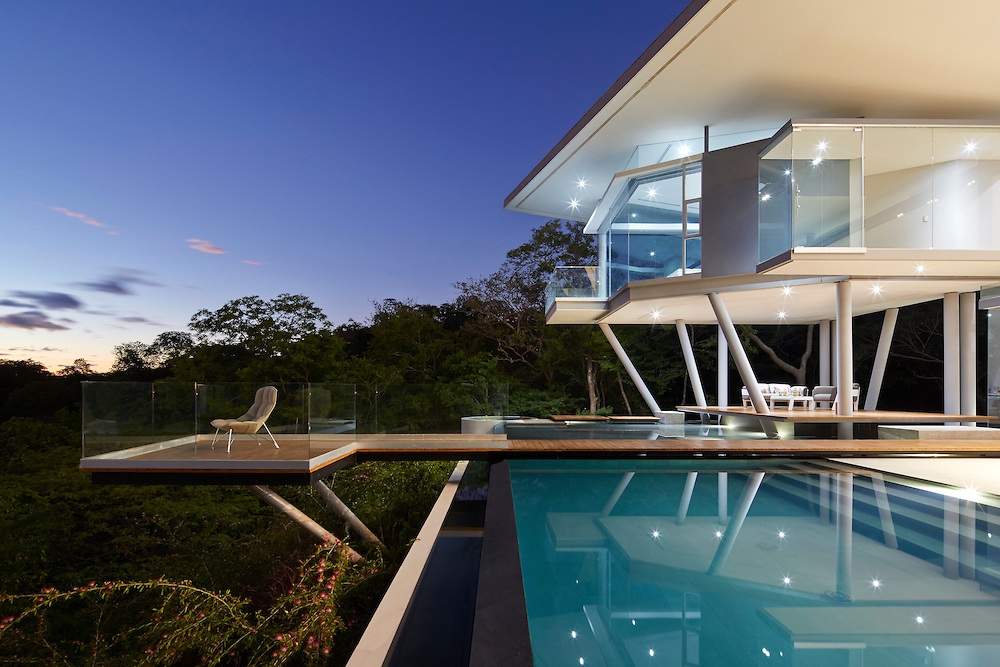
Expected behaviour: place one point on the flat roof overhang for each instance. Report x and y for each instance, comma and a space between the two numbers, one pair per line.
798, 287
741, 66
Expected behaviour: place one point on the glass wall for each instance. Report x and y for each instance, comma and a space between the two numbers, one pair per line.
655, 230
174, 420
879, 186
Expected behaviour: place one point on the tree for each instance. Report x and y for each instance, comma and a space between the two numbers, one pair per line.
265, 328
78, 367
510, 302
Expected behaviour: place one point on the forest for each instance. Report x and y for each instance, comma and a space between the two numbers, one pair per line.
180, 575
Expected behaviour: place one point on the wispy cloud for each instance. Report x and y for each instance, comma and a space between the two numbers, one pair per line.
201, 245
120, 283
86, 219
138, 320
51, 300
35, 349
15, 304
251, 262
30, 319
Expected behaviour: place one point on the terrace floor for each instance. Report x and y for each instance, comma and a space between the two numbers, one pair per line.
302, 460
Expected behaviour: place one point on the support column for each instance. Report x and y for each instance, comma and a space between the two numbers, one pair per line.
742, 363
845, 360
647, 396
845, 534
692, 367
824, 498
824, 352
723, 498
967, 352
723, 370
967, 540
833, 353
736, 523
950, 542
300, 517
346, 514
952, 354
682, 511
617, 493
884, 512
881, 357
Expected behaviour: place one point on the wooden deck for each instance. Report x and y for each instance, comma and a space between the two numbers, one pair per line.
301, 461
828, 416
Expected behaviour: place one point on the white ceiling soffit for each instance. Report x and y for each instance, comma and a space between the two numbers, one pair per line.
747, 65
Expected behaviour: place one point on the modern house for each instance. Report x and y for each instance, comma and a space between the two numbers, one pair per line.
778, 161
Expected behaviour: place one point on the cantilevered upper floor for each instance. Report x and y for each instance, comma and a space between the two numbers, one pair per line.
765, 145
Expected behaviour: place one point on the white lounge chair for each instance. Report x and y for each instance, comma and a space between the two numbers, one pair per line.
250, 422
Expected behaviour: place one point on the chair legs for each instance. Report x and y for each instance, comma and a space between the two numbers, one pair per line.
229, 443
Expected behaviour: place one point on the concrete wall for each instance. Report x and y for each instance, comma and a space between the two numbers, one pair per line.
729, 210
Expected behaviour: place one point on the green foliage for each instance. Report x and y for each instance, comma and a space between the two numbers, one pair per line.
161, 622
262, 327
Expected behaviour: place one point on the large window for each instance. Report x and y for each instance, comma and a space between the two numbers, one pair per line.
879, 185
655, 226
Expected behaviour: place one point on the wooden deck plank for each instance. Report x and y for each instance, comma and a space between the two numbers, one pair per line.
827, 416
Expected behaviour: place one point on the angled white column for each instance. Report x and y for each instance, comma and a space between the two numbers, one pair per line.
338, 505
967, 353
824, 352
952, 354
884, 512
647, 396
617, 493
742, 363
881, 357
736, 523
682, 510
739, 354
723, 370
691, 364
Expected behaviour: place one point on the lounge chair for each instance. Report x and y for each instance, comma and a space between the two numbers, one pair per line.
828, 394
251, 421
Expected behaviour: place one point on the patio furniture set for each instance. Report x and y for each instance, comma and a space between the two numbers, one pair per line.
776, 393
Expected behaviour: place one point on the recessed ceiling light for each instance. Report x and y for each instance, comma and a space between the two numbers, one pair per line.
876, 583
574, 203
765, 197
788, 172
876, 289
782, 314
652, 192
921, 268
970, 146
582, 183
786, 290
656, 315
821, 146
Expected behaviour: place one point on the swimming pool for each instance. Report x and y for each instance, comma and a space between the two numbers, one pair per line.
753, 562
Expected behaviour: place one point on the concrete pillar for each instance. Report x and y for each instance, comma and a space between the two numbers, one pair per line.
647, 396
967, 353
881, 357
742, 363
723, 370
617, 493
950, 542
845, 534
967, 540
824, 352
682, 510
845, 360
952, 354
691, 364
736, 523
723, 498
833, 353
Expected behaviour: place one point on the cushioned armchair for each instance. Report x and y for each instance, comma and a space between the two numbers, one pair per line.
825, 394
251, 421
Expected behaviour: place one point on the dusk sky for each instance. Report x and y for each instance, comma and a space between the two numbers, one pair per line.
159, 158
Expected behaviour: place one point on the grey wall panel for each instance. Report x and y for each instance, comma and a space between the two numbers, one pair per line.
729, 210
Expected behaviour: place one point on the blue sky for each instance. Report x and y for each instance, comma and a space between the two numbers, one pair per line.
159, 158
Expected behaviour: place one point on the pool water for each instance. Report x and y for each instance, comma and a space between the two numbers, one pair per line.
751, 563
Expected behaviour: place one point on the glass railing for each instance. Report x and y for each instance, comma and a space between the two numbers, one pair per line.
879, 185
573, 282
168, 420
